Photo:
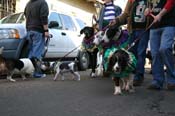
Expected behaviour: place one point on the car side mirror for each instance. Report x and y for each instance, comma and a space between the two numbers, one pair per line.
53, 24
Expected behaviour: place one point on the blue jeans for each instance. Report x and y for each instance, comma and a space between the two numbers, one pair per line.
161, 41
139, 50
36, 44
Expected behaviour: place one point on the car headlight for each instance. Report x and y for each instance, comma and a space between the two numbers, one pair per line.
9, 33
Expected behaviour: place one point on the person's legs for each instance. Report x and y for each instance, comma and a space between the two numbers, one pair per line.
141, 55
166, 53
36, 47
157, 63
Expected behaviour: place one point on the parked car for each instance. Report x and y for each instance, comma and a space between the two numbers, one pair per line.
66, 38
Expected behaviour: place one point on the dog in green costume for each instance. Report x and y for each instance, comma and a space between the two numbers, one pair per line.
120, 64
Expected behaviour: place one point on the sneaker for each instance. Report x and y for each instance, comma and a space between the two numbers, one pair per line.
154, 86
171, 87
39, 75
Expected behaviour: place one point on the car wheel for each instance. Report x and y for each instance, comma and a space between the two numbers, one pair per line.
83, 60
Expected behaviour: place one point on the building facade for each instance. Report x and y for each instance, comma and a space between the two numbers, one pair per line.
7, 7
82, 9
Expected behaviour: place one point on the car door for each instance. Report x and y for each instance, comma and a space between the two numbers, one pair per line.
73, 39
58, 46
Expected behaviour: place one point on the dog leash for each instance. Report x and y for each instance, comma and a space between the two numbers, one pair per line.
47, 40
140, 35
80, 45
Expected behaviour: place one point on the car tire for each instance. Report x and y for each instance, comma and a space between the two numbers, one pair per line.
83, 60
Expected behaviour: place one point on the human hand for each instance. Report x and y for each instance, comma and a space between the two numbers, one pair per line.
157, 18
46, 34
147, 11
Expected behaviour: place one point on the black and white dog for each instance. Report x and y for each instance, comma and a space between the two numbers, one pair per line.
64, 67
88, 46
112, 37
121, 64
21, 66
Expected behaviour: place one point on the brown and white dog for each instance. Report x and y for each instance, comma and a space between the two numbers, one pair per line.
122, 64
10, 67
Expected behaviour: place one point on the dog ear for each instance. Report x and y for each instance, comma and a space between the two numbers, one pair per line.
112, 30
110, 33
82, 31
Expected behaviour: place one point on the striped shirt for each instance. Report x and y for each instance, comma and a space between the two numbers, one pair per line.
109, 13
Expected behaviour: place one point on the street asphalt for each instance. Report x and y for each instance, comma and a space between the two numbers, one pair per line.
88, 97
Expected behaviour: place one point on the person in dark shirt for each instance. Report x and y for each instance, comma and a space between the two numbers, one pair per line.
36, 13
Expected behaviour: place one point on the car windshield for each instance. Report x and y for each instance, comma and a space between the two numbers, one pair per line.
15, 18
80, 23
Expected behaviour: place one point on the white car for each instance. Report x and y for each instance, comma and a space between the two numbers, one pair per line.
64, 44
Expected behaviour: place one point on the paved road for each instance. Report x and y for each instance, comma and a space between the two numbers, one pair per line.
89, 97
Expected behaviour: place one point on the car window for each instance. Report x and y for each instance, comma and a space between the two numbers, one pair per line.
11, 19
68, 22
80, 23
21, 19
55, 17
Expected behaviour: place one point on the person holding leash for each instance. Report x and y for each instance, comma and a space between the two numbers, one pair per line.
36, 13
137, 24
162, 35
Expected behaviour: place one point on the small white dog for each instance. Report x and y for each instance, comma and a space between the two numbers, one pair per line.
67, 66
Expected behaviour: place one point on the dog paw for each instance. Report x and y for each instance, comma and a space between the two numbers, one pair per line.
93, 75
117, 91
99, 71
24, 78
12, 80
55, 78
78, 79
